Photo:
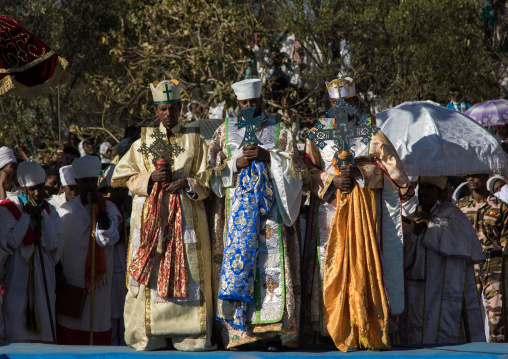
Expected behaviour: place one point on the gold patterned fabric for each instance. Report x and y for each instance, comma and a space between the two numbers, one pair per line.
384, 180
150, 319
355, 304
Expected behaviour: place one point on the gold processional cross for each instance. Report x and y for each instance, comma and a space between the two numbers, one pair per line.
342, 133
161, 148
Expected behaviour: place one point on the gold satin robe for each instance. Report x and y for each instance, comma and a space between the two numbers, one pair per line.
348, 275
150, 319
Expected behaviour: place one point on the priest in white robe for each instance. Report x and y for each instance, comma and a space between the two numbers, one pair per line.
69, 187
77, 219
24, 305
169, 298
255, 245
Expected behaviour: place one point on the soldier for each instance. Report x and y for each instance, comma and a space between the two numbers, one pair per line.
489, 216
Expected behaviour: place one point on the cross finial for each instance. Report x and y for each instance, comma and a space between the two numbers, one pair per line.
161, 148
341, 133
167, 92
250, 125
341, 110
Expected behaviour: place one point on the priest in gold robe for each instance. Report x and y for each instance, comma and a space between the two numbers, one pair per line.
168, 270
354, 274
255, 245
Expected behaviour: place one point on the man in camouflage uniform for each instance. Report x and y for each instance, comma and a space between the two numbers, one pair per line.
489, 216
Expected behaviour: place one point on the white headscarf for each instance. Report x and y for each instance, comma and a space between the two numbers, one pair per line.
492, 180
81, 147
105, 146
6, 156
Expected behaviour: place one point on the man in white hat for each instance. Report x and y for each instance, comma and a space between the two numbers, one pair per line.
254, 235
119, 197
370, 192
69, 187
28, 221
77, 216
8, 167
440, 253
169, 300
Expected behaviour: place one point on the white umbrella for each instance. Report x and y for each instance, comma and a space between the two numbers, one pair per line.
435, 141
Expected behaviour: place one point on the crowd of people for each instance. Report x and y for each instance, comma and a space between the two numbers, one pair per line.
165, 241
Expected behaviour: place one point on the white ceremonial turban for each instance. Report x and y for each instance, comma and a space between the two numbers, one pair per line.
342, 87
30, 174
6, 156
247, 89
67, 176
86, 166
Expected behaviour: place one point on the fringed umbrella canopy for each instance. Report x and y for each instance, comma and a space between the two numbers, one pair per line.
27, 65
432, 140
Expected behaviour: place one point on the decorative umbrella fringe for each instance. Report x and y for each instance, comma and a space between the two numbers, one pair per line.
59, 77
493, 164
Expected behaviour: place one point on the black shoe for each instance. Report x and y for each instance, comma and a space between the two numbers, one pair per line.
240, 348
273, 346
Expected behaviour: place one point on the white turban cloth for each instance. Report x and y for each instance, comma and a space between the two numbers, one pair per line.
105, 146
67, 176
6, 156
30, 174
86, 166
247, 89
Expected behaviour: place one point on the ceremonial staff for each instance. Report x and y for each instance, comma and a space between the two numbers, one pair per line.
38, 245
92, 269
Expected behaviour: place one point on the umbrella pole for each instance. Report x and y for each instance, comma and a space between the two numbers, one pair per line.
59, 124
92, 277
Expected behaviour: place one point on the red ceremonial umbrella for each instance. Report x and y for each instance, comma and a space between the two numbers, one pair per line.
29, 68
27, 65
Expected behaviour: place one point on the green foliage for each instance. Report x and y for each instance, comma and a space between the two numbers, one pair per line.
200, 43
401, 47
115, 48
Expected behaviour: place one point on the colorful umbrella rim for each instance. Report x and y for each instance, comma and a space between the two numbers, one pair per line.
488, 113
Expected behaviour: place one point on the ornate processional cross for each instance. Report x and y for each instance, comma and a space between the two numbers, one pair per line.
161, 147
250, 125
342, 133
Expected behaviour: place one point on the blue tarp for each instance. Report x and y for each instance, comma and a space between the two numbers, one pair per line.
466, 351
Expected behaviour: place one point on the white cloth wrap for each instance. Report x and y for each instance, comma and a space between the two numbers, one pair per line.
67, 176
86, 166
30, 174
6, 156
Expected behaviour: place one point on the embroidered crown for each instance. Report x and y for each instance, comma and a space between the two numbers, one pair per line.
166, 91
